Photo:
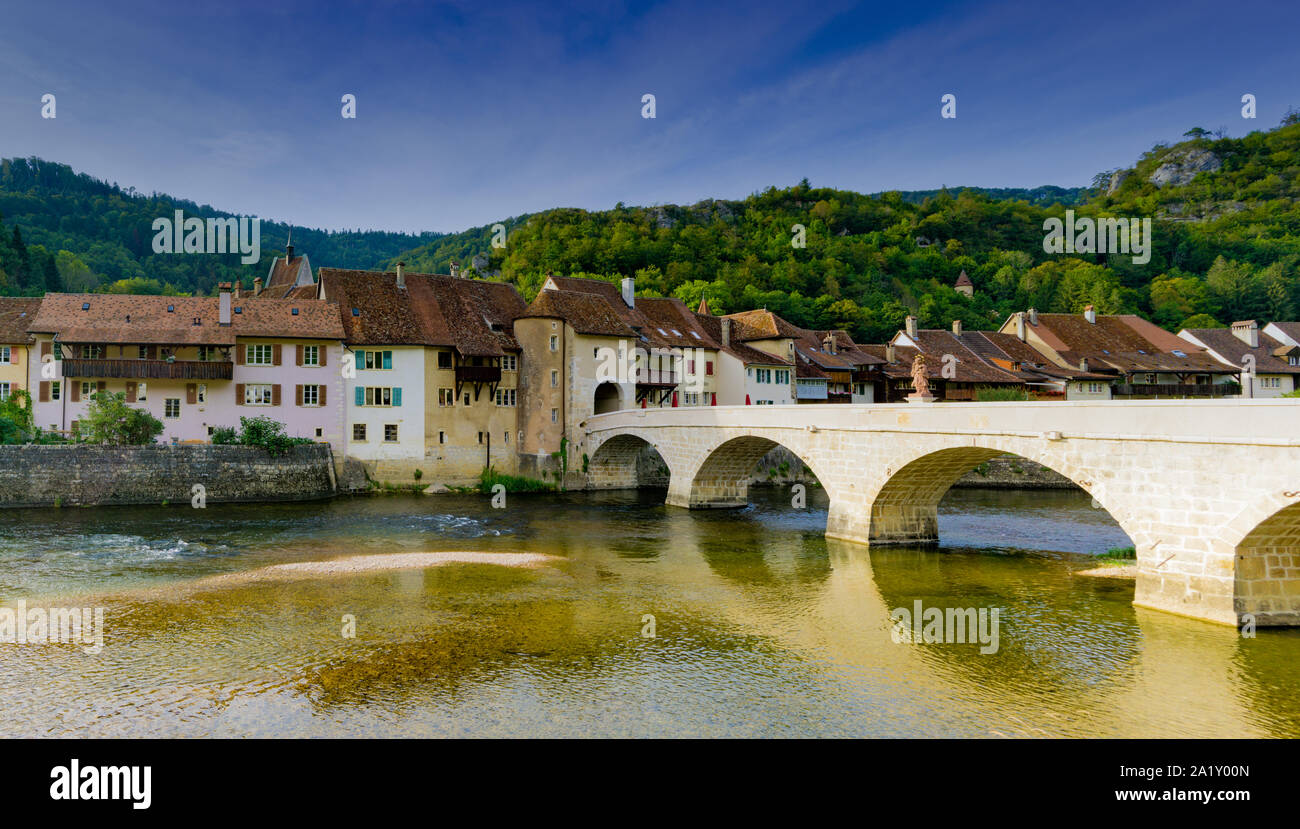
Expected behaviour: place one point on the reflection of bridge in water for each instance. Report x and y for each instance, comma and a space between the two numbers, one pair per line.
1209, 491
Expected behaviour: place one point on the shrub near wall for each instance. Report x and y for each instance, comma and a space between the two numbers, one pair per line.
85, 475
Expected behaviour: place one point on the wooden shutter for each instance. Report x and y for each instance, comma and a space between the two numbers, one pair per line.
275, 354
13, 355
397, 397
75, 392
297, 354
297, 390
322, 351
101, 386
130, 392
239, 394
239, 358
44, 393
45, 347
388, 359
361, 396
275, 393
151, 352
320, 393
191, 393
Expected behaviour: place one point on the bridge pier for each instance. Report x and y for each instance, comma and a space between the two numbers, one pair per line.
710, 494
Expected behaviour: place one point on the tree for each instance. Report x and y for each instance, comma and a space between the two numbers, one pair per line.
110, 421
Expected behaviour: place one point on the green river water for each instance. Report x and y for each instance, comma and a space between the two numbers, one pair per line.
762, 627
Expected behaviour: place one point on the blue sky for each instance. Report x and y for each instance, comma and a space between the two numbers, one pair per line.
470, 112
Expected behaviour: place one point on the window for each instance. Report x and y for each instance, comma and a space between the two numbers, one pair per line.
255, 394
446, 397
320, 432
257, 355
1294, 360
555, 343
505, 397
442, 437
509, 362
55, 390
480, 437
4, 391
763, 402
555, 415
690, 367
172, 407
692, 398
203, 393
555, 379
142, 392
375, 360
1270, 382
208, 353
87, 389
311, 355
466, 398
783, 376
390, 433
444, 359
505, 437
1092, 388
763, 375
92, 352
379, 396
358, 431
142, 352
311, 395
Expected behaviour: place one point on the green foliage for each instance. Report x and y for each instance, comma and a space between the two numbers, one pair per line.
266, 433
1119, 553
489, 478
225, 435
1295, 393
16, 418
994, 394
110, 421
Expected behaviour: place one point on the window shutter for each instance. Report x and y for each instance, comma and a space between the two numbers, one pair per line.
191, 393
361, 359
240, 351
297, 391
45, 347
13, 355
297, 349
152, 352
397, 396
130, 392
75, 391
323, 350
320, 392
100, 386
275, 354
44, 394
388, 359
361, 396
275, 395
239, 394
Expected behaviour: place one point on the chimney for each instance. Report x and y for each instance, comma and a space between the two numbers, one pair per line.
956, 328
401, 274
910, 325
726, 333
891, 356
1083, 364
629, 291
1090, 314
223, 303
1247, 331
828, 343
1033, 316
455, 270
1020, 326
257, 286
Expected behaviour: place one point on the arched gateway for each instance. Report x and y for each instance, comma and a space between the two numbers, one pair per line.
1209, 491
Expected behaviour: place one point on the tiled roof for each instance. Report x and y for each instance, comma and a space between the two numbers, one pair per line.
1291, 329
1226, 344
1124, 342
129, 318
587, 313
284, 274
472, 316
1007, 352
762, 325
963, 280
748, 355
16, 314
969, 367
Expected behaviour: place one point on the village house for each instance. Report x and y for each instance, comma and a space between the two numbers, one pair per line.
745, 375
829, 366
16, 313
434, 384
1143, 359
1269, 367
195, 363
1284, 332
1043, 379
954, 371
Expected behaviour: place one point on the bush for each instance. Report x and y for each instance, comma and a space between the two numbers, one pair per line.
996, 394
489, 478
16, 418
267, 434
223, 435
110, 421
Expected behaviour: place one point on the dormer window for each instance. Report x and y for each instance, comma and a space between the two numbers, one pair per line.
239, 309
171, 309
1178, 352
294, 312
85, 306
356, 312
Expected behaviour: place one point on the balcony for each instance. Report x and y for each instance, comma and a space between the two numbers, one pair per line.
655, 377
478, 374
1176, 390
148, 369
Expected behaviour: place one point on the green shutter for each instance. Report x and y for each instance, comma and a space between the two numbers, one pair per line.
397, 397
361, 360
388, 359
361, 394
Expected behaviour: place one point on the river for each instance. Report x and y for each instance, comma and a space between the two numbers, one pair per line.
761, 626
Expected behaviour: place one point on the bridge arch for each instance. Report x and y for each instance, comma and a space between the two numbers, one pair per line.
721, 480
608, 397
905, 507
613, 464
1266, 570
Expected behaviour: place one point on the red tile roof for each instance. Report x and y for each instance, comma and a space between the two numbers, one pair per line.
1226, 344
16, 313
1125, 343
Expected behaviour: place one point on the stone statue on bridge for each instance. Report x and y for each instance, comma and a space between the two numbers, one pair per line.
920, 382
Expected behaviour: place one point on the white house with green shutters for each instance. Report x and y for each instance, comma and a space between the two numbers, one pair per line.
385, 403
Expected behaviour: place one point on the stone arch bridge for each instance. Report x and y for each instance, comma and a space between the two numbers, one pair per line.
1209, 491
